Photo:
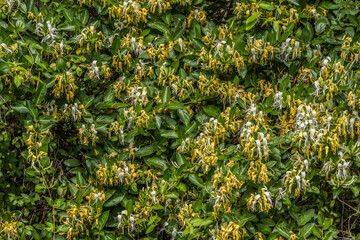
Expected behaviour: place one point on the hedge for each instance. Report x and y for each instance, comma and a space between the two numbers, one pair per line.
179, 119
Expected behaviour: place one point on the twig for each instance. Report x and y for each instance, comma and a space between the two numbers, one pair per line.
357, 211
347, 71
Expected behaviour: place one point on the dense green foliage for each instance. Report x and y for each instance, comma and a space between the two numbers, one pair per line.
179, 119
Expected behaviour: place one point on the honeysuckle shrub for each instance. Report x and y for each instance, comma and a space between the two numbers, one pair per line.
179, 119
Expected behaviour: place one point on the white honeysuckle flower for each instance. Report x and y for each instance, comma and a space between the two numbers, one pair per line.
253, 53
132, 225
306, 138
163, 228
258, 145
260, 117
319, 49
306, 163
283, 48
341, 155
261, 135
298, 182
174, 233
73, 113
95, 70
126, 170
278, 103
181, 44
314, 13
120, 176
328, 123
265, 145
118, 218
268, 195
318, 138
256, 198
297, 52
252, 110
327, 167
153, 195
287, 55
3, 45
167, 204
317, 88
97, 196
312, 134
351, 127
65, 107
217, 199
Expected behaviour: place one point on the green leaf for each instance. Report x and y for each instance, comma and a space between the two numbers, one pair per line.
283, 231
355, 190
104, 119
190, 128
114, 200
32, 109
199, 44
294, 2
36, 46
190, 61
80, 179
68, 14
174, 195
103, 219
288, 32
244, 218
306, 217
307, 33
72, 162
180, 159
150, 229
169, 134
129, 206
195, 29
306, 230
212, 110
156, 161
207, 222
321, 24
46, 119
162, 27
20, 107
195, 179
109, 94
317, 232
145, 151
251, 21
41, 65
17, 81
4, 68
40, 94
66, 27
184, 116
166, 95
158, 207
178, 33
28, 57
267, 6
158, 121
173, 106
84, 17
